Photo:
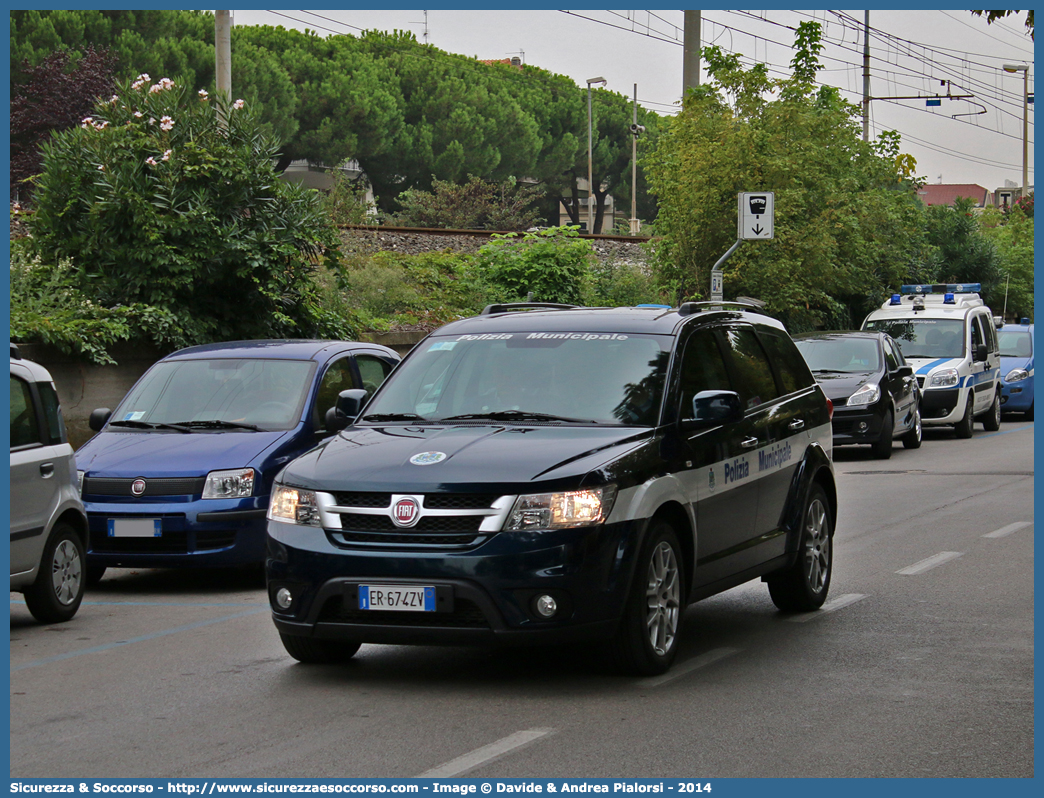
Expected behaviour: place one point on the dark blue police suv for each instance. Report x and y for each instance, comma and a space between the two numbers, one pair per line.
554, 474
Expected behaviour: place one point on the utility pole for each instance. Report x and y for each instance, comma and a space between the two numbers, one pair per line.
866, 76
691, 55
223, 56
635, 224
590, 156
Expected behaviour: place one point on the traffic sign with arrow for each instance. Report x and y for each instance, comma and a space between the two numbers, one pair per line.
756, 215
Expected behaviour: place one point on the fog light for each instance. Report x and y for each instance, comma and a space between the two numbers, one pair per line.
283, 598
546, 606
863, 426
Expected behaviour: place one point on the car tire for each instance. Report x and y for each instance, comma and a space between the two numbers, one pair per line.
882, 447
992, 420
963, 428
803, 587
647, 641
310, 650
58, 590
913, 438
1029, 413
94, 574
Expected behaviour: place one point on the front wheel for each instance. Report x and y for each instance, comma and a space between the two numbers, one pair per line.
647, 640
912, 439
803, 587
963, 428
1029, 413
992, 420
58, 590
312, 651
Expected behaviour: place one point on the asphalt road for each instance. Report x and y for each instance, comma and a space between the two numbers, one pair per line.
920, 665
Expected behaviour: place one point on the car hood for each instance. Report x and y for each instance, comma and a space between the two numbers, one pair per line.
465, 458
159, 454
841, 386
1009, 363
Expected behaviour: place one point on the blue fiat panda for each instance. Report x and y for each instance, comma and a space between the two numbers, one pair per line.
557, 474
180, 473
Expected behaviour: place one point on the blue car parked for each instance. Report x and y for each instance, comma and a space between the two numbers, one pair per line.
1016, 349
180, 473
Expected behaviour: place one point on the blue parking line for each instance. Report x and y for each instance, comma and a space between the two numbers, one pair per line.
1006, 431
141, 639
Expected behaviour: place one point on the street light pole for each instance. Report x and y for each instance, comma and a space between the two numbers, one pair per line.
1024, 69
590, 156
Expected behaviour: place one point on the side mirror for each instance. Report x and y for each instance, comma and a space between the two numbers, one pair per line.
904, 371
981, 352
98, 418
710, 408
349, 404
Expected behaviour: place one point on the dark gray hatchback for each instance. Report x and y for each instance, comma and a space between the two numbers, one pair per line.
552, 475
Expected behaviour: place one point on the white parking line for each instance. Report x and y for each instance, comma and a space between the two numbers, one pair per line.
1004, 531
931, 562
830, 606
688, 667
487, 753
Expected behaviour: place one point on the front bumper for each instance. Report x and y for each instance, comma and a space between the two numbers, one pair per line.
942, 405
210, 533
487, 594
1017, 396
857, 425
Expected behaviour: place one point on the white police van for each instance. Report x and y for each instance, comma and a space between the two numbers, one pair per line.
948, 334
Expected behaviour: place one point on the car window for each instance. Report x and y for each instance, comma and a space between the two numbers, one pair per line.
991, 333
51, 412
24, 427
790, 365
702, 369
750, 367
373, 370
920, 337
890, 358
976, 333
338, 377
1015, 343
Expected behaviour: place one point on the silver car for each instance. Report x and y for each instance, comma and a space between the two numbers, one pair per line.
48, 524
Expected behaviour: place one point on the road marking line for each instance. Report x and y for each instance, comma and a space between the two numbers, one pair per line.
929, 563
143, 638
1004, 531
688, 667
487, 753
830, 606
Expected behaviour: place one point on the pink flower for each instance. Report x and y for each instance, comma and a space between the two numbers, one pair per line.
166, 156
238, 104
101, 125
114, 99
151, 161
138, 114
101, 167
203, 94
142, 79
166, 123
87, 121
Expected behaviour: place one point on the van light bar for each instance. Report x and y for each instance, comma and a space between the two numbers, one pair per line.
943, 288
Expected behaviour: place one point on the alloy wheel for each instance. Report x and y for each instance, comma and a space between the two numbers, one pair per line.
66, 572
663, 596
817, 546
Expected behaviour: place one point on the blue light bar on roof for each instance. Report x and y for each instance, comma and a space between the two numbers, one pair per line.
943, 288
896, 300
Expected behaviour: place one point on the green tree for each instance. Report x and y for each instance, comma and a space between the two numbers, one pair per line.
475, 205
965, 255
553, 265
846, 224
156, 202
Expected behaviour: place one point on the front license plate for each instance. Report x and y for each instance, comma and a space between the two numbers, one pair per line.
397, 597
135, 528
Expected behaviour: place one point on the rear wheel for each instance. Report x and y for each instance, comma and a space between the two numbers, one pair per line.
803, 587
963, 428
912, 439
58, 590
882, 447
311, 650
647, 641
992, 420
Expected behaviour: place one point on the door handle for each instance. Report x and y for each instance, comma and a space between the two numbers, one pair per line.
749, 443
46, 470
797, 424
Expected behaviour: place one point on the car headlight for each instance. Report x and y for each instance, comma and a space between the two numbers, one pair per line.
294, 506
866, 395
79, 482
233, 484
945, 378
561, 510
1016, 375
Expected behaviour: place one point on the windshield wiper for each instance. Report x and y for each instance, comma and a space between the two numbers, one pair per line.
830, 371
393, 417
147, 425
517, 415
212, 424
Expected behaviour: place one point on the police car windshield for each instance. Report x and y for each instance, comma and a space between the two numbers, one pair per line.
840, 355
583, 377
1015, 343
924, 338
218, 394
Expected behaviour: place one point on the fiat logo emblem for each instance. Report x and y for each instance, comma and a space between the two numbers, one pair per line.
405, 512
138, 487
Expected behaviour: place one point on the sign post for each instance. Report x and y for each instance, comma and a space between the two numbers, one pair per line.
754, 222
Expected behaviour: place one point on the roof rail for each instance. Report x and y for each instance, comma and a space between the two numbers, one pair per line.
15, 354
508, 307
688, 308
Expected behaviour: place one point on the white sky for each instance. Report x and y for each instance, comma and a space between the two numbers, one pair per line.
913, 52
